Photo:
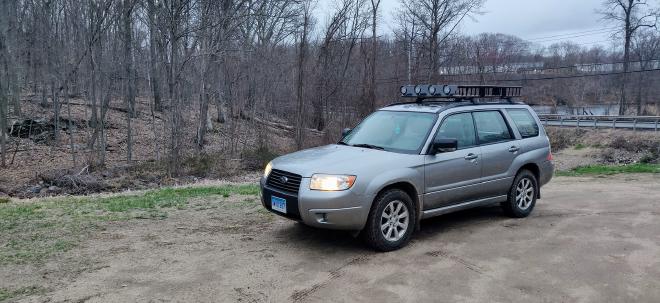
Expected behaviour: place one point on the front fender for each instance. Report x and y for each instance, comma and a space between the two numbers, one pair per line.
412, 176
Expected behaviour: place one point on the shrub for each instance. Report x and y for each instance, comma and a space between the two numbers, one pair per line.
561, 138
257, 159
209, 165
649, 158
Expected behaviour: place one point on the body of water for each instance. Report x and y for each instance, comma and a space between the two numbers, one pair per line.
593, 109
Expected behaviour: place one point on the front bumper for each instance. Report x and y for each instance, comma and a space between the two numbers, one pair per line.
343, 210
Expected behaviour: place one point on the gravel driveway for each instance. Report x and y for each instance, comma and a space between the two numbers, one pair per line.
590, 239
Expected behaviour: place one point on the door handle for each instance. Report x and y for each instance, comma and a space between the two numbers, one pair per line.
471, 157
514, 149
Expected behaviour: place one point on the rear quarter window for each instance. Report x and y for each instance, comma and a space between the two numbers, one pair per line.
525, 122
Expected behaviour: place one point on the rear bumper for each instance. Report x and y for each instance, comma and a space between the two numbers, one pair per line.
547, 170
343, 210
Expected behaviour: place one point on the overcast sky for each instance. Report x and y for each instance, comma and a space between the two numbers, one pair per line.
542, 21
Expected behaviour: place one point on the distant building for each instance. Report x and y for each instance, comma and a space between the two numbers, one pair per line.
500, 68
536, 68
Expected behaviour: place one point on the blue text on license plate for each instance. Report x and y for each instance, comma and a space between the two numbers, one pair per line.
278, 204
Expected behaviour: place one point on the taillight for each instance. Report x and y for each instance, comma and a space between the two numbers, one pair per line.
549, 158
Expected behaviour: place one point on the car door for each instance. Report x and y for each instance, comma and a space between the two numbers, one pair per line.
452, 177
498, 150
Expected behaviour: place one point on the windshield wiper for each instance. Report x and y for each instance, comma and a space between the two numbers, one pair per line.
342, 143
368, 146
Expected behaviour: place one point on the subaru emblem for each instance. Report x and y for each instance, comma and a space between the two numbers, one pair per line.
284, 179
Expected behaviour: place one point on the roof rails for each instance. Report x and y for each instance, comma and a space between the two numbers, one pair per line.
459, 92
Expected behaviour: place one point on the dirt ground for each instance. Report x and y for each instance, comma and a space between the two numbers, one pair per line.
590, 239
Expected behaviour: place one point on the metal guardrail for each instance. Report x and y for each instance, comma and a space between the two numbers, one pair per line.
592, 121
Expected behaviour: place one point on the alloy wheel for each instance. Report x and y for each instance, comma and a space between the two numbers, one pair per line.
524, 193
394, 221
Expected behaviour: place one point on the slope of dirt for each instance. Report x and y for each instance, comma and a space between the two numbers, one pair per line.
231, 147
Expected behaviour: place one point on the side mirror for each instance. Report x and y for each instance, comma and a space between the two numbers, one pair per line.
443, 145
345, 132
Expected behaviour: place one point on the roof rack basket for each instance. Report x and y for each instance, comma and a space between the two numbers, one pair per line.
488, 91
460, 92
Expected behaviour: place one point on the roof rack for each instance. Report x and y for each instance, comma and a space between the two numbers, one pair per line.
423, 93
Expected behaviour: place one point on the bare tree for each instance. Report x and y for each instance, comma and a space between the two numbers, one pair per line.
439, 19
375, 4
408, 31
129, 81
155, 44
646, 49
306, 7
631, 15
5, 76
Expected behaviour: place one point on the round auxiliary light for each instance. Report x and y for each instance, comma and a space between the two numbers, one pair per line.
418, 89
446, 89
432, 89
404, 90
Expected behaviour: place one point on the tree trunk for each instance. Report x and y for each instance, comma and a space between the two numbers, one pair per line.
202, 127
4, 70
302, 54
70, 126
175, 113
56, 113
374, 50
153, 57
129, 88
3, 121
626, 63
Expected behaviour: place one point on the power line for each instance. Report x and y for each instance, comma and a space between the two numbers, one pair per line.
397, 80
578, 34
571, 37
572, 76
576, 65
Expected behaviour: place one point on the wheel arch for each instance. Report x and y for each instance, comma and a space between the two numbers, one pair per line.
409, 189
536, 171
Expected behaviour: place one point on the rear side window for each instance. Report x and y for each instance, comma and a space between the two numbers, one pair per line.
524, 121
491, 127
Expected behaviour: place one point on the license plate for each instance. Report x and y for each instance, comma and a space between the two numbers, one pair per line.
278, 204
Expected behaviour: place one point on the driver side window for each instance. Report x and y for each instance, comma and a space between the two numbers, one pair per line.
459, 127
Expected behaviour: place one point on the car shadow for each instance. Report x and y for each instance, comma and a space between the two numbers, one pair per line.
476, 217
317, 238
298, 234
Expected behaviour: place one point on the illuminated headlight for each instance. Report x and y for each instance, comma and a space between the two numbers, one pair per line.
268, 168
331, 182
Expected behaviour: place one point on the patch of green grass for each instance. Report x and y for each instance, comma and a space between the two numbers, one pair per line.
32, 231
611, 169
4, 200
580, 146
6, 294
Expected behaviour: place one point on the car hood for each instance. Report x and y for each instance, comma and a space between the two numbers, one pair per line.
340, 159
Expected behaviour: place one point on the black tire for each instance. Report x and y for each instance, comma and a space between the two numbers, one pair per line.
372, 234
516, 208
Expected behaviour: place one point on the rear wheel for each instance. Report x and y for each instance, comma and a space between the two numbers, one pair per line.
391, 221
522, 195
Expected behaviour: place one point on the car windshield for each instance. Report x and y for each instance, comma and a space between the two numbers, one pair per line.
403, 132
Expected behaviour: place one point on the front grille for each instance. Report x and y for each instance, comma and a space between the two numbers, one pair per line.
291, 185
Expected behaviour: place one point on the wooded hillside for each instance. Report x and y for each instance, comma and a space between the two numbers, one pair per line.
183, 86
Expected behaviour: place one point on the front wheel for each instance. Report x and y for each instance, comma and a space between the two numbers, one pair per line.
391, 221
522, 195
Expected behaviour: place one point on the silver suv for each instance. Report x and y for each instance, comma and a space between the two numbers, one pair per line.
455, 147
